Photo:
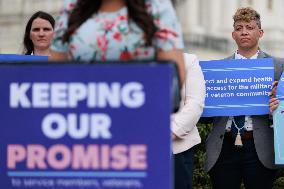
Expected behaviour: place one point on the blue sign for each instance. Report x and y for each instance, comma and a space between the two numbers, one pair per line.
6, 58
237, 87
85, 126
278, 121
280, 88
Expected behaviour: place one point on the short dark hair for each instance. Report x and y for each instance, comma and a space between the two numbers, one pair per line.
28, 44
247, 14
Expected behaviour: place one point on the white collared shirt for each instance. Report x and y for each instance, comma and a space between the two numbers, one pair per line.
248, 122
239, 56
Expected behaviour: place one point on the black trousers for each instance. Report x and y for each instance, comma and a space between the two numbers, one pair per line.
237, 165
183, 169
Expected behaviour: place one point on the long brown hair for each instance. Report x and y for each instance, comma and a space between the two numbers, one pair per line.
137, 12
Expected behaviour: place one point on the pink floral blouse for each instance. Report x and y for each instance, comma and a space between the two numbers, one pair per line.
110, 36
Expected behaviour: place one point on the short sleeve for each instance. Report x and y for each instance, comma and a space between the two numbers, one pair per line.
169, 34
61, 26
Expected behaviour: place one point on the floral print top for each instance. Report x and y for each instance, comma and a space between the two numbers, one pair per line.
110, 36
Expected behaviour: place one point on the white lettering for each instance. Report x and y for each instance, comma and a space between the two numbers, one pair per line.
59, 97
96, 125
18, 96
100, 126
71, 95
48, 126
77, 92
133, 95
40, 95
111, 95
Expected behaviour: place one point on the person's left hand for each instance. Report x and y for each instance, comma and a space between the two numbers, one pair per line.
274, 89
273, 104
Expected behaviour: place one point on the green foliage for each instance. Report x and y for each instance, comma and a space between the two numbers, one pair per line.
201, 179
279, 182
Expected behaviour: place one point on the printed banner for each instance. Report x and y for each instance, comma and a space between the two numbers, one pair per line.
85, 126
278, 122
7, 58
280, 88
237, 87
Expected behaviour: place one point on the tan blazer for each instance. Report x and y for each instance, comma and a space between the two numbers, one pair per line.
183, 123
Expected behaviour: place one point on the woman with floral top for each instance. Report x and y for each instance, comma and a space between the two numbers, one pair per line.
103, 30
106, 30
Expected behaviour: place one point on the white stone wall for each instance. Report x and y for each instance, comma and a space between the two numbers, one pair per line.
14, 15
208, 24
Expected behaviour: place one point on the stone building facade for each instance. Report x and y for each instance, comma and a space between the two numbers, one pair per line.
207, 24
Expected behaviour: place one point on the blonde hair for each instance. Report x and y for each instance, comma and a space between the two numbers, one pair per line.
247, 14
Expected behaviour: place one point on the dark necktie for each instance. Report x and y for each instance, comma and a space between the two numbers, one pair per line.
239, 121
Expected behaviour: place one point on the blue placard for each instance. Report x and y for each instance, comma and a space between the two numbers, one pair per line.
85, 126
6, 58
237, 87
280, 88
278, 121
